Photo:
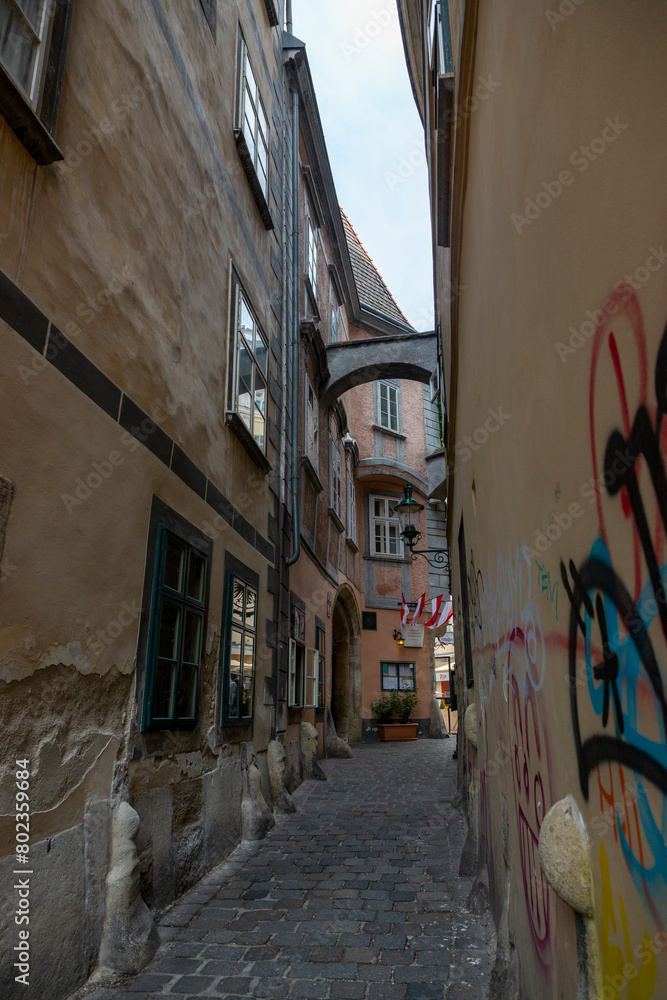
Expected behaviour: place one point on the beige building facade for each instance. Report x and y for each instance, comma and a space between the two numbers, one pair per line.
547, 162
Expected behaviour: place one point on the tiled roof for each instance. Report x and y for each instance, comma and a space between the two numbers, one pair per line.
372, 290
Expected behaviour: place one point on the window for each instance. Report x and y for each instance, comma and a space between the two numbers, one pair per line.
251, 370
351, 499
335, 475
398, 677
252, 120
385, 527
311, 254
312, 424
33, 44
441, 38
176, 633
320, 642
389, 406
23, 28
241, 651
304, 673
334, 321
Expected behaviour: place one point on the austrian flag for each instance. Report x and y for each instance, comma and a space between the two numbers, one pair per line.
418, 610
405, 610
446, 611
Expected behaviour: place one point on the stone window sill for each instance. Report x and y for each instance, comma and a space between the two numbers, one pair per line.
24, 122
237, 426
337, 522
390, 433
253, 179
312, 474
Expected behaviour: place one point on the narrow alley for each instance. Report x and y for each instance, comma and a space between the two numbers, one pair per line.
356, 896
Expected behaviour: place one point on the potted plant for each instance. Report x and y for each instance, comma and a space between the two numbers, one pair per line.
388, 706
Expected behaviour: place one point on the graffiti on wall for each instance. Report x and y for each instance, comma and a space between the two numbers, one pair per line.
618, 606
507, 634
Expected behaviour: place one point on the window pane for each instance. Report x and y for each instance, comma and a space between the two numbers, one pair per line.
237, 601
18, 47
187, 692
249, 133
380, 507
259, 422
33, 11
196, 577
235, 653
260, 352
163, 690
380, 538
168, 636
393, 539
246, 322
251, 608
192, 638
174, 565
248, 663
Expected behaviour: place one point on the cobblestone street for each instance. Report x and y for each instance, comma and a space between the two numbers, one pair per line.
356, 896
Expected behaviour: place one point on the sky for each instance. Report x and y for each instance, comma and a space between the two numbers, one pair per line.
374, 138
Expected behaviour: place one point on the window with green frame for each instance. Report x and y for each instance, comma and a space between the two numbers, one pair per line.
320, 643
241, 651
398, 676
175, 642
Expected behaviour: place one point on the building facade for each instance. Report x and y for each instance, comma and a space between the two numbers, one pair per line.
186, 488
548, 209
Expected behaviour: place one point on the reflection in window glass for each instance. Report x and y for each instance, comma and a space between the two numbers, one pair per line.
251, 367
240, 661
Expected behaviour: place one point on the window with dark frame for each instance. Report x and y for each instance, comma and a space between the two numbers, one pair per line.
320, 643
335, 472
252, 119
240, 652
311, 252
397, 676
33, 46
250, 368
312, 424
175, 644
351, 499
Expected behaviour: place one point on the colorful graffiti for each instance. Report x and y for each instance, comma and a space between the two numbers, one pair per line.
619, 620
631, 968
532, 797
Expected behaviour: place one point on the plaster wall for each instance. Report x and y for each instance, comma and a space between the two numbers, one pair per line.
126, 248
561, 331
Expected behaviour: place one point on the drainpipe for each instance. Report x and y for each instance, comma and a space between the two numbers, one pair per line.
289, 23
294, 441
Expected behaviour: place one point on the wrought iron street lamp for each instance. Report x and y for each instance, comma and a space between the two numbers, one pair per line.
409, 511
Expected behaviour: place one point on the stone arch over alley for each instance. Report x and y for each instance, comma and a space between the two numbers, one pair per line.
403, 356
346, 666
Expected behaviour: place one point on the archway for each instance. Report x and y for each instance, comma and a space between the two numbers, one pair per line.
346, 666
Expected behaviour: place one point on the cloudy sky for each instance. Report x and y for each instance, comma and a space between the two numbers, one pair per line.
375, 139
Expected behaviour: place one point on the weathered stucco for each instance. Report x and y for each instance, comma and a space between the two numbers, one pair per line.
554, 314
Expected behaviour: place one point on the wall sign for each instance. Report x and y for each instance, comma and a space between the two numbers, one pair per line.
413, 635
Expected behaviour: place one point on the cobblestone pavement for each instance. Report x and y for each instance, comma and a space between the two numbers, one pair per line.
356, 896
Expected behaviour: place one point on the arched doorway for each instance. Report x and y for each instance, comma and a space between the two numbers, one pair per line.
346, 666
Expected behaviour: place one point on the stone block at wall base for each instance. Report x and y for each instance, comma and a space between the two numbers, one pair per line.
59, 945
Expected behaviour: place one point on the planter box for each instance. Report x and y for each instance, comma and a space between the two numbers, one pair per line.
393, 731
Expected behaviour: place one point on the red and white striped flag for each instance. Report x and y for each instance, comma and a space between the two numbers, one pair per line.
418, 609
405, 610
445, 614
435, 608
